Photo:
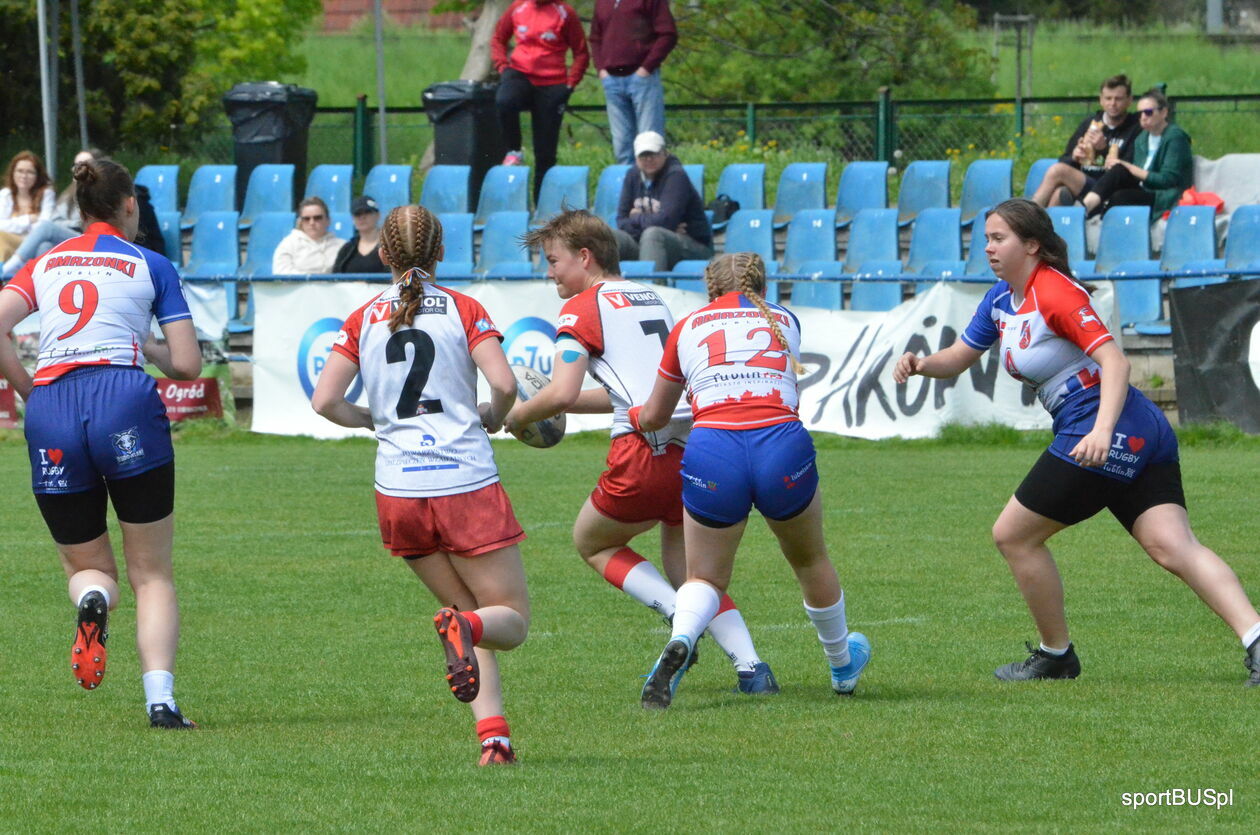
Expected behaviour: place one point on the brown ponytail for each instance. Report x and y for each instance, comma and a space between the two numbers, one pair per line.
411, 239
745, 272
101, 186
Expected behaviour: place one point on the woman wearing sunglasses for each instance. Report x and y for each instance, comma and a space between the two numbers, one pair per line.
310, 248
1161, 170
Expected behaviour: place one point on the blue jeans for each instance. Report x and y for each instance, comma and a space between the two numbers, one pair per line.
634, 105
43, 236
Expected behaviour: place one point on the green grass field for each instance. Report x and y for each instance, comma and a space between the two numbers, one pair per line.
309, 659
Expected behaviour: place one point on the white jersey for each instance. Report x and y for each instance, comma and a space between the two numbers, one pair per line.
737, 374
97, 295
421, 384
623, 326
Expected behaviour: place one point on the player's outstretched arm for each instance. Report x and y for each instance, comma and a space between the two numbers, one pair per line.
12, 311
490, 359
568, 372
329, 399
948, 362
595, 401
659, 408
180, 356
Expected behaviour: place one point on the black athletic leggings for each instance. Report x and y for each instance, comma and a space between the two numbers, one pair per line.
1118, 187
517, 93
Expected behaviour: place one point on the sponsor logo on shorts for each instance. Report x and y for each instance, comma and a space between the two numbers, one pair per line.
127, 445
701, 483
51, 469
790, 481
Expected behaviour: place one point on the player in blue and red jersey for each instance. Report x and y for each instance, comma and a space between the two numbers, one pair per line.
96, 429
1113, 448
737, 359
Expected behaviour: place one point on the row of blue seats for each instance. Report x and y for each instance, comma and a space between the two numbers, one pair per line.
802, 186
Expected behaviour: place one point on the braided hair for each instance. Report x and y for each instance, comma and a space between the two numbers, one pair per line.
745, 272
411, 240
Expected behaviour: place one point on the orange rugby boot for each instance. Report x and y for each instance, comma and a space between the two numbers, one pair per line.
455, 633
87, 656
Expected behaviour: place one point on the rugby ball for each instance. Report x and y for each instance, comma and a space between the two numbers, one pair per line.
543, 433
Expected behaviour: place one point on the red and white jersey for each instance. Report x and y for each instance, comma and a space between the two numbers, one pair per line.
623, 326
1045, 341
421, 384
737, 374
97, 295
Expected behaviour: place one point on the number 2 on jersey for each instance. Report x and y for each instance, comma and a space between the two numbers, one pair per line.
716, 343
84, 306
423, 353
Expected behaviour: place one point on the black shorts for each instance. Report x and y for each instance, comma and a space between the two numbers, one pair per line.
1068, 494
75, 518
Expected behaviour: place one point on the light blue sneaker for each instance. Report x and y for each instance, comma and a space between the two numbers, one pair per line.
844, 679
658, 690
757, 681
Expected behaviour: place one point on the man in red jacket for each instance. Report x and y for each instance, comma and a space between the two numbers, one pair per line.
629, 42
534, 78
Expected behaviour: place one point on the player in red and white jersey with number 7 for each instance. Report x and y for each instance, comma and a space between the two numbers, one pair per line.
418, 348
616, 329
96, 429
1113, 448
737, 359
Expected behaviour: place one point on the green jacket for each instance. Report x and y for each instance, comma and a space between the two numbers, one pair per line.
1172, 170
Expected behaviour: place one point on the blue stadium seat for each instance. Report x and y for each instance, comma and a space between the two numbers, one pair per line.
265, 234
1125, 236
695, 171
564, 187
608, 193
693, 285
1069, 223
341, 224
638, 269
457, 241
238, 323
811, 236
1189, 236
802, 185
873, 236
332, 184
876, 295
1242, 246
1139, 301
977, 260
752, 230
270, 189
213, 189
162, 181
1036, 174
505, 189
215, 246
445, 189
937, 271
924, 185
501, 250
168, 222
1213, 269
863, 185
744, 182
936, 236
986, 182
824, 294
390, 187
690, 267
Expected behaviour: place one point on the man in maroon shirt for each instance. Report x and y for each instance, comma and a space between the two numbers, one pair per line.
629, 41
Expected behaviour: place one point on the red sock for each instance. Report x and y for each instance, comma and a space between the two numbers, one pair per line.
474, 620
492, 726
619, 566
725, 604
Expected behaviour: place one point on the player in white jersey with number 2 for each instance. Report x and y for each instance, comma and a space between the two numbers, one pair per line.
418, 348
96, 429
737, 359
617, 329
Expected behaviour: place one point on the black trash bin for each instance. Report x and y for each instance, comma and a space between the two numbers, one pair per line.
465, 128
270, 124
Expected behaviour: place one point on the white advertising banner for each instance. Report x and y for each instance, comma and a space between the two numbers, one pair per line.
207, 303
849, 356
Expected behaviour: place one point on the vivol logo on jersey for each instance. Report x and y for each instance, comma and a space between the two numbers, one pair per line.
622, 300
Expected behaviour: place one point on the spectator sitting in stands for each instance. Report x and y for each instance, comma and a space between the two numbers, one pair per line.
310, 248
1100, 138
1166, 166
65, 223
660, 217
362, 253
26, 199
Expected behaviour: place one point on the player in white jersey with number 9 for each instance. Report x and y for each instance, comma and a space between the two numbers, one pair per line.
617, 329
418, 348
96, 429
737, 358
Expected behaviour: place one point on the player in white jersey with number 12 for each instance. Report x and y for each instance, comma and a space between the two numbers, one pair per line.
617, 330
417, 348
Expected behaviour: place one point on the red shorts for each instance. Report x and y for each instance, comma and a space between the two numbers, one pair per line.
639, 486
463, 524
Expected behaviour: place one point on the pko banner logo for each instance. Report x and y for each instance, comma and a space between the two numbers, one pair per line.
531, 342
312, 355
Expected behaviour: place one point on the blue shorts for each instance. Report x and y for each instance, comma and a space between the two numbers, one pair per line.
1142, 435
725, 472
94, 424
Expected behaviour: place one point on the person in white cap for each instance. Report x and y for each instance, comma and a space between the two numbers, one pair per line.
660, 217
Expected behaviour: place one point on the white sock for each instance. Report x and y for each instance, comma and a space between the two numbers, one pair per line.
833, 631
731, 634
639, 578
159, 688
1250, 636
88, 589
1057, 653
695, 606
502, 740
